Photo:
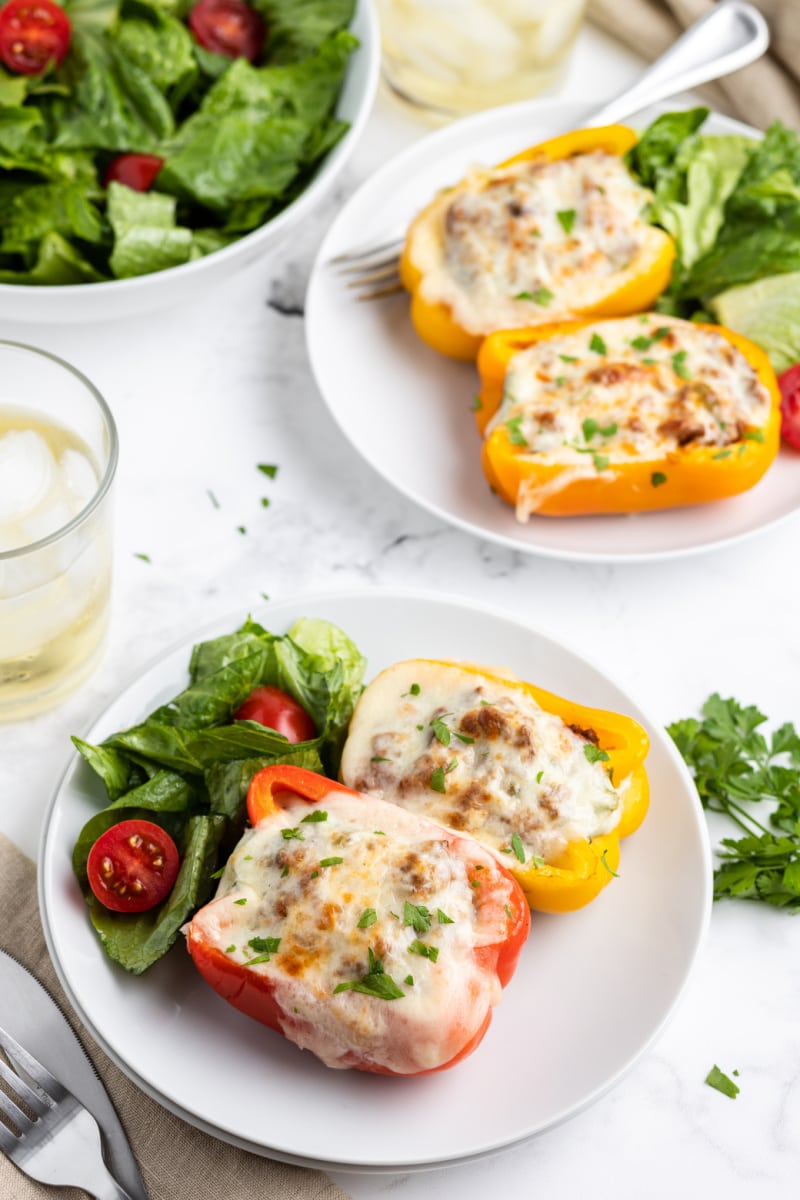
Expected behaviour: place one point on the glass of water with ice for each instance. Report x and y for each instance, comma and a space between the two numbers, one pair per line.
58, 455
451, 57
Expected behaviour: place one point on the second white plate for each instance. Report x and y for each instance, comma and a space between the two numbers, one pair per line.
407, 410
592, 990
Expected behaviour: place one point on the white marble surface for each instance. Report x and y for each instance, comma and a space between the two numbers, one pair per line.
203, 394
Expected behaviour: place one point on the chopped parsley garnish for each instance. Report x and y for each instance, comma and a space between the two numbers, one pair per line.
264, 947
509, 913
658, 478
722, 454
285, 871
212, 498
313, 818
590, 428
314, 875
440, 730
537, 861
230, 949
331, 862
367, 918
524, 296
425, 951
289, 835
380, 758
477, 403
242, 901
722, 1082
144, 557
438, 774
375, 983
649, 362
268, 469
517, 848
560, 380
217, 874
600, 462
414, 690
515, 434
753, 435
568, 358
539, 776
566, 219
607, 867
417, 916
679, 365
642, 343
594, 753
242, 529
379, 832
543, 296
409, 980
443, 918
597, 344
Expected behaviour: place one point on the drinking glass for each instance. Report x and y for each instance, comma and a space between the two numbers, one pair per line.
451, 57
58, 455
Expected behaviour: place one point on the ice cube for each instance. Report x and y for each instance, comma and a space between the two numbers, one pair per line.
47, 518
79, 477
27, 472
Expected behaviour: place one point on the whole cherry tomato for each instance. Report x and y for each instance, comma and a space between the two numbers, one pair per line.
271, 707
789, 383
132, 866
229, 27
33, 34
136, 171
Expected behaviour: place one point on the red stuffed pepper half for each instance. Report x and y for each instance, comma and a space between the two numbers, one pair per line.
369, 935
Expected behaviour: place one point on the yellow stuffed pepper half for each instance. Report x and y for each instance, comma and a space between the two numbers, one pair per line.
550, 786
624, 415
555, 231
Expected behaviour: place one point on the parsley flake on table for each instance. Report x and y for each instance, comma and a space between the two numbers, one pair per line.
736, 767
212, 498
268, 469
144, 557
722, 1083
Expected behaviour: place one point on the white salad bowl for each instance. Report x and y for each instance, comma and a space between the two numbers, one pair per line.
75, 303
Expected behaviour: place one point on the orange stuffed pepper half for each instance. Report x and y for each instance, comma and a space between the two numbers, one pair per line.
624, 415
558, 230
548, 785
373, 937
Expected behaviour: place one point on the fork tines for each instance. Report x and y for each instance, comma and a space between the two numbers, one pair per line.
370, 265
18, 1090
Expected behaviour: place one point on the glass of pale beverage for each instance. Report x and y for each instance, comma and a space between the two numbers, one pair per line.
450, 57
58, 455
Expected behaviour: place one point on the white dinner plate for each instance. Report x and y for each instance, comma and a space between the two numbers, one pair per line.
407, 409
592, 990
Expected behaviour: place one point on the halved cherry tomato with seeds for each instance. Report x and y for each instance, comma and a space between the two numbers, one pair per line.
33, 34
228, 27
136, 171
271, 707
133, 866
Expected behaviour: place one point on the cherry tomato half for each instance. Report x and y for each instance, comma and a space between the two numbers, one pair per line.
136, 171
228, 27
132, 866
789, 383
271, 707
33, 34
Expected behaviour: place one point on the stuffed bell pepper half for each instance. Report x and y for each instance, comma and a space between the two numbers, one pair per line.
549, 786
624, 415
558, 230
369, 935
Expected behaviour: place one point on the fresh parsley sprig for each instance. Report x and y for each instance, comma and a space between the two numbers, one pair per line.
735, 766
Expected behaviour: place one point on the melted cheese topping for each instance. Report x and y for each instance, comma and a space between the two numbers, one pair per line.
531, 242
284, 881
508, 768
636, 388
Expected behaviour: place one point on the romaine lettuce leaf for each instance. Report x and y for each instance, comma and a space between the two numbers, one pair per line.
146, 236
299, 27
768, 312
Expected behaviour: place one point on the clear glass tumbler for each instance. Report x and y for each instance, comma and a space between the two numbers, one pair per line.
451, 57
58, 456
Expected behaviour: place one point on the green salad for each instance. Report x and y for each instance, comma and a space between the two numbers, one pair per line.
187, 766
231, 137
732, 204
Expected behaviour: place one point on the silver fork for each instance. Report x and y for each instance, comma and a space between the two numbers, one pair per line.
730, 36
60, 1143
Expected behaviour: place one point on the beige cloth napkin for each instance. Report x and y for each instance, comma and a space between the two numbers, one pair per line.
176, 1160
766, 91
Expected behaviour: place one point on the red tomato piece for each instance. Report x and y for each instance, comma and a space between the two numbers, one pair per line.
132, 866
271, 707
136, 171
229, 27
33, 34
789, 383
